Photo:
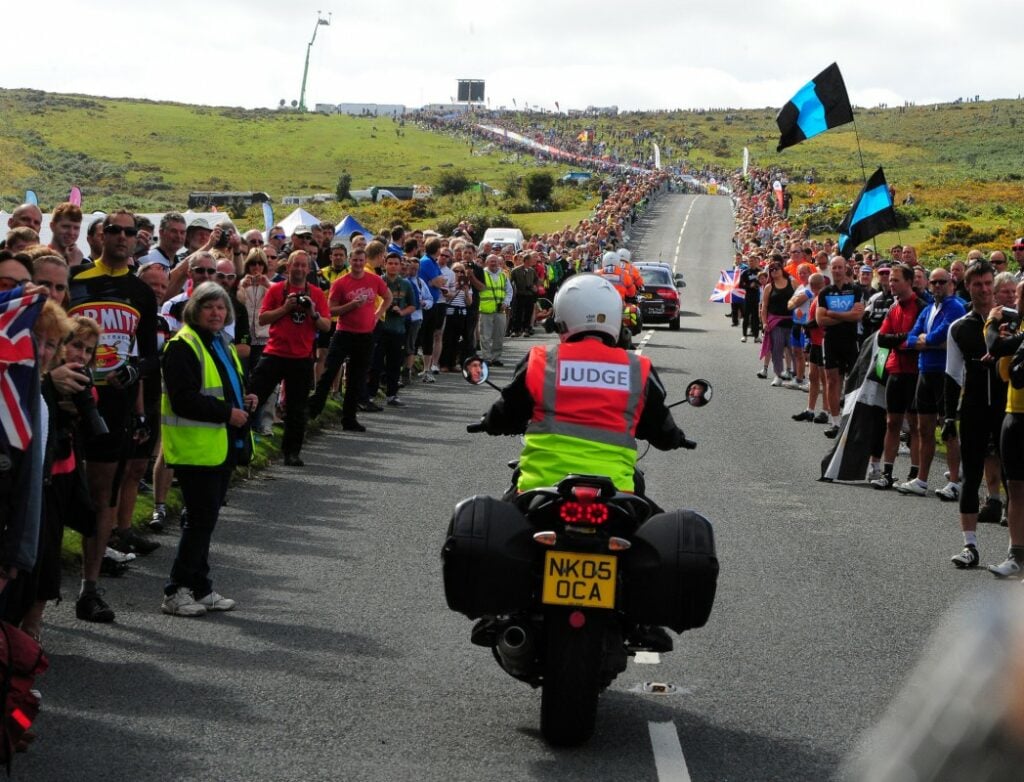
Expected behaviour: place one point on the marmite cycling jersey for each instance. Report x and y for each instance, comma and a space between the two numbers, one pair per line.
125, 308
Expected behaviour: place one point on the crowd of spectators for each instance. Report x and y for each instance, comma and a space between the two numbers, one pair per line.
942, 340
161, 353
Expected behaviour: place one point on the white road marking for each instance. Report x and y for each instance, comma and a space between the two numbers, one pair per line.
668, 754
647, 658
643, 343
679, 242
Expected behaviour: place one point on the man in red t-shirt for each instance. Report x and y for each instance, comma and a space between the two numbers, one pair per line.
295, 312
357, 299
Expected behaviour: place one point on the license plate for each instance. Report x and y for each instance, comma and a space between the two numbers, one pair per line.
585, 580
656, 308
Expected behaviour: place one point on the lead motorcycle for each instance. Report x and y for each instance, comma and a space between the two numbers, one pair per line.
567, 582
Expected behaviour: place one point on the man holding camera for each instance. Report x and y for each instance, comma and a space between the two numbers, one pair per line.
126, 358
356, 299
295, 312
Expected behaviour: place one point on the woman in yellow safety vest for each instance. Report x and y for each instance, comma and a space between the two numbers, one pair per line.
204, 417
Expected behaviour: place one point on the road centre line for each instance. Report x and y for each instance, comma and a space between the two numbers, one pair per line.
679, 243
668, 753
647, 658
644, 341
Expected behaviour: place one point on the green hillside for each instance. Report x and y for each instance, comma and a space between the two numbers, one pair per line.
151, 154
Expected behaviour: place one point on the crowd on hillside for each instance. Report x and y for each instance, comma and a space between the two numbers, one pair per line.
156, 358
938, 349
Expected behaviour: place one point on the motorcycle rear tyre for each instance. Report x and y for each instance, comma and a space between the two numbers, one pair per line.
572, 679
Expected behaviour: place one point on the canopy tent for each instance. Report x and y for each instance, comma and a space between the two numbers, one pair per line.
348, 227
299, 217
45, 234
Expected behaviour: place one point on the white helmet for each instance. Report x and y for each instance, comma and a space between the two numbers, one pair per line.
588, 303
610, 258
625, 254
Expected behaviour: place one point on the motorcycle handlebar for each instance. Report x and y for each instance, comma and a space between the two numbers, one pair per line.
688, 444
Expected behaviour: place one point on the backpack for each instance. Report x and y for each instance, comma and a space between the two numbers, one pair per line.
21, 660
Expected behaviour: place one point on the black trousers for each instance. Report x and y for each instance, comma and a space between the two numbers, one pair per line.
203, 491
388, 357
752, 320
522, 311
357, 349
297, 374
455, 323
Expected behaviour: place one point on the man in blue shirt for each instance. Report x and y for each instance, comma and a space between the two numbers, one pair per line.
928, 337
433, 319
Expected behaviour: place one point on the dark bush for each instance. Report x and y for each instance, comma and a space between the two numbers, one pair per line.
539, 185
452, 183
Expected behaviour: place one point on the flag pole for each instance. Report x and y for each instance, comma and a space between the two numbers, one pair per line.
863, 172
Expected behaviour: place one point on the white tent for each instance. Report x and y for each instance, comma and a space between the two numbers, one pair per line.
45, 234
299, 217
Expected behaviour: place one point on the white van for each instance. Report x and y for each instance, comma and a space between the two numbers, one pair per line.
499, 237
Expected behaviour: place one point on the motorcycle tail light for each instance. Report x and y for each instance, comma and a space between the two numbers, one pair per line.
593, 513
586, 493
619, 544
545, 538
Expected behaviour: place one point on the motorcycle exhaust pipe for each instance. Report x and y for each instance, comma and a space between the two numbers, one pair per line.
516, 650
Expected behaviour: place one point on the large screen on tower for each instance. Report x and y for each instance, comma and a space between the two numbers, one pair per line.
471, 91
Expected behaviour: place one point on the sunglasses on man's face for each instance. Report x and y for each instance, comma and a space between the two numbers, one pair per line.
278, 236
222, 276
204, 270
127, 230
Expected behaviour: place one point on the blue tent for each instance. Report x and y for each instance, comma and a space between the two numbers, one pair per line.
349, 226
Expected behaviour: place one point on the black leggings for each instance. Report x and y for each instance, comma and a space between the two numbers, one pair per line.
752, 320
979, 429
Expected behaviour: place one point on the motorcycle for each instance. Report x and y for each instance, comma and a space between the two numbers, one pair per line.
567, 582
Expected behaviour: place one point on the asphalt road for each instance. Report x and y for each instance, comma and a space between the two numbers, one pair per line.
343, 663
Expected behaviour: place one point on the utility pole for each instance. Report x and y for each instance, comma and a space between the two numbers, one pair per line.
305, 71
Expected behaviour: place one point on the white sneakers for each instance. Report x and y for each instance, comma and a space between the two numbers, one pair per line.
777, 382
915, 486
182, 603
949, 493
1008, 567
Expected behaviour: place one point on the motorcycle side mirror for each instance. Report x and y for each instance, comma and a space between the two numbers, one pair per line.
476, 372
699, 393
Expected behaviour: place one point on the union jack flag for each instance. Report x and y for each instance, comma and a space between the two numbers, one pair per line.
17, 367
727, 289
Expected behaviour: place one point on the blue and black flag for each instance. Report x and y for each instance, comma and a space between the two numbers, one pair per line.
872, 214
820, 104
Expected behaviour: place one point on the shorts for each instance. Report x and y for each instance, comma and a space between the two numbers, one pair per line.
433, 321
1011, 446
798, 337
840, 354
900, 393
930, 393
323, 338
815, 356
412, 336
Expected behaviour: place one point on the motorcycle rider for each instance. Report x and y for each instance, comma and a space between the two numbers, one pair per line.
583, 403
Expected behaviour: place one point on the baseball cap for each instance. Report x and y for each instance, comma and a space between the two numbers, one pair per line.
865, 269
302, 230
199, 222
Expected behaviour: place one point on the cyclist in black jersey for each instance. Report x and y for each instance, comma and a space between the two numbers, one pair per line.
975, 397
126, 359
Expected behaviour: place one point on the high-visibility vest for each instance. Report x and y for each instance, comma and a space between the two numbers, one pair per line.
493, 294
588, 399
620, 277
187, 441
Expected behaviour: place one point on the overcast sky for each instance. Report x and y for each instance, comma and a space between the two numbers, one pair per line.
636, 54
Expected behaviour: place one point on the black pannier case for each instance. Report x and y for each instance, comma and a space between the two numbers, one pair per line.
489, 558
671, 571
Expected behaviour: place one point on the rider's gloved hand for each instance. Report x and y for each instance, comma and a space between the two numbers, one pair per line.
682, 442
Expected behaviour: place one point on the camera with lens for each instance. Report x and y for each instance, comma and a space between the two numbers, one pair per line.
225, 237
1010, 318
86, 407
303, 301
